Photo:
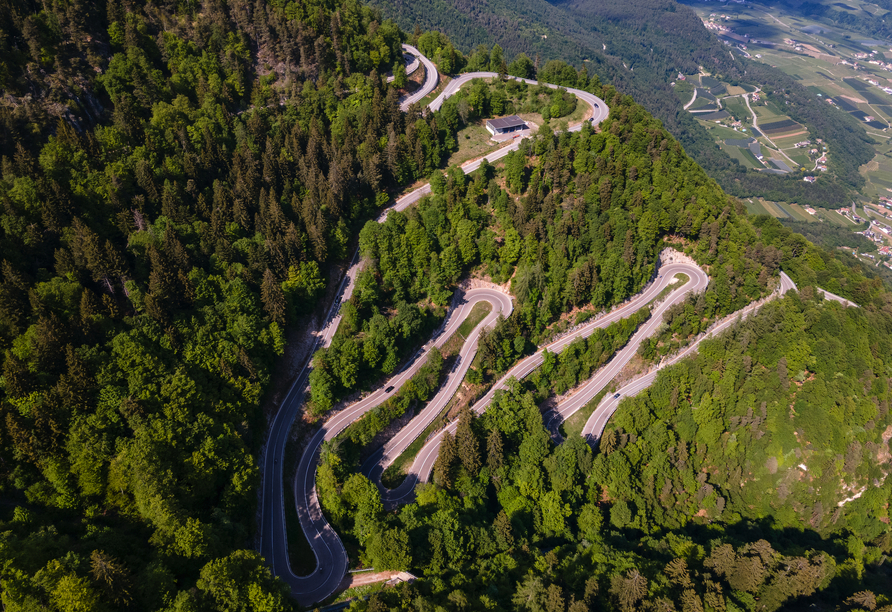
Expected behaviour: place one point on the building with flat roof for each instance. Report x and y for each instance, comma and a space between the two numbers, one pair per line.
506, 125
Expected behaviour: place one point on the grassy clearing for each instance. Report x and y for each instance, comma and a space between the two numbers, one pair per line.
396, 472
537, 119
680, 279
477, 314
473, 142
573, 425
577, 115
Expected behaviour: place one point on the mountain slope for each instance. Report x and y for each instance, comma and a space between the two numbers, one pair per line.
639, 46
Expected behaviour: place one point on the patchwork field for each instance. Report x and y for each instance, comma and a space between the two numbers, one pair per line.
742, 155
833, 63
800, 213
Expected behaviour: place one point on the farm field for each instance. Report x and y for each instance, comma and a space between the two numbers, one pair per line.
721, 132
780, 210
795, 212
878, 173
775, 210
737, 107
832, 62
800, 213
742, 155
722, 110
791, 212
754, 207
838, 219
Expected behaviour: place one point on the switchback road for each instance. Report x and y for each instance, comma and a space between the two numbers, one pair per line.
596, 423
330, 555
697, 281
412, 63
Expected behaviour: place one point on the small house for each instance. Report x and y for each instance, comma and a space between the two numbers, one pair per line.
506, 125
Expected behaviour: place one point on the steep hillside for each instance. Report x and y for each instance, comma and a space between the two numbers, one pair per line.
175, 180
753, 476
639, 46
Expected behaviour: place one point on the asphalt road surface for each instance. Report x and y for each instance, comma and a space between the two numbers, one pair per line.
832, 296
599, 108
431, 78
329, 551
411, 60
697, 281
787, 284
596, 423
378, 462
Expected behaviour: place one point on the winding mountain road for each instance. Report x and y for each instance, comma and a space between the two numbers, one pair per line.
697, 281
411, 61
596, 423
431, 79
331, 557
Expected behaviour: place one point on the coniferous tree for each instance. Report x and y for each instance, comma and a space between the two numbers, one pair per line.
112, 576
504, 531
273, 297
495, 453
466, 440
444, 466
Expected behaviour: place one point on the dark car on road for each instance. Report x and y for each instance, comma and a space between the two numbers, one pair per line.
616, 396
388, 389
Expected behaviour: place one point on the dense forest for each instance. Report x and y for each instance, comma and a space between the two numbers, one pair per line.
178, 181
582, 226
832, 236
687, 503
752, 477
639, 46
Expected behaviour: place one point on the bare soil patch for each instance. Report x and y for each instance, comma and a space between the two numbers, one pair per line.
854, 100
790, 135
